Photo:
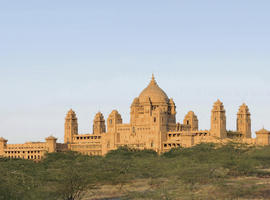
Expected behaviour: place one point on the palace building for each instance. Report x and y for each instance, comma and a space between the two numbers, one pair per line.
152, 126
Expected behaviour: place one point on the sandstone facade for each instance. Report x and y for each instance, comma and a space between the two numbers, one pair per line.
152, 126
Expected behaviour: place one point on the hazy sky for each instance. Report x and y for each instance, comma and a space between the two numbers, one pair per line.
98, 55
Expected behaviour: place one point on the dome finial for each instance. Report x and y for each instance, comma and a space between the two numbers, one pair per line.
153, 81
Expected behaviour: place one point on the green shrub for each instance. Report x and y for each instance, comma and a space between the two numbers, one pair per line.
60, 174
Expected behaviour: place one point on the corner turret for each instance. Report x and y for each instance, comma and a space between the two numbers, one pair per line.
218, 120
71, 126
243, 121
112, 121
3, 146
99, 124
51, 144
192, 121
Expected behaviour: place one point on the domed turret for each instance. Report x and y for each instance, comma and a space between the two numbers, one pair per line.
2, 139
218, 120
172, 107
243, 109
135, 102
153, 93
99, 124
71, 126
192, 121
243, 121
112, 121
71, 115
99, 117
51, 144
3, 144
218, 106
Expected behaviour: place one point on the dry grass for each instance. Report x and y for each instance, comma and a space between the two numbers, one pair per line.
243, 188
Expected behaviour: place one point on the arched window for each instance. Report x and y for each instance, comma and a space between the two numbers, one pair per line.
152, 144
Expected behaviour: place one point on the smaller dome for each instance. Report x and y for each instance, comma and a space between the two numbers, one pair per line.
218, 102
135, 102
114, 113
263, 131
190, 115
99, 117
51, 138
71, 114
243, 109
2, 139
218, 106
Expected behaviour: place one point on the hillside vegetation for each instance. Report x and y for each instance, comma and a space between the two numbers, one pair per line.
205, 171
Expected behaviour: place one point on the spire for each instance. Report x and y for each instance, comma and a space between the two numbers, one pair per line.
153, 81
71, 111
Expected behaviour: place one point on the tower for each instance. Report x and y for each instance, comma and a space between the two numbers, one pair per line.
99, 124
134, 110
3, 145
51, 144
218, 120
243, 122
112, 121
71, 126
172, 111
192, 121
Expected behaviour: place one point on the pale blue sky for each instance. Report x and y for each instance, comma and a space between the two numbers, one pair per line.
98, 55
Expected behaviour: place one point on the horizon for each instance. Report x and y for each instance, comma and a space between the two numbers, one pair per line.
94, 56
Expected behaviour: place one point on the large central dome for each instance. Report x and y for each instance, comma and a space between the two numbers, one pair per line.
154, 93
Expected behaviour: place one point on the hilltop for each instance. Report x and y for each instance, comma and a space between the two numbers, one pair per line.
205, 171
